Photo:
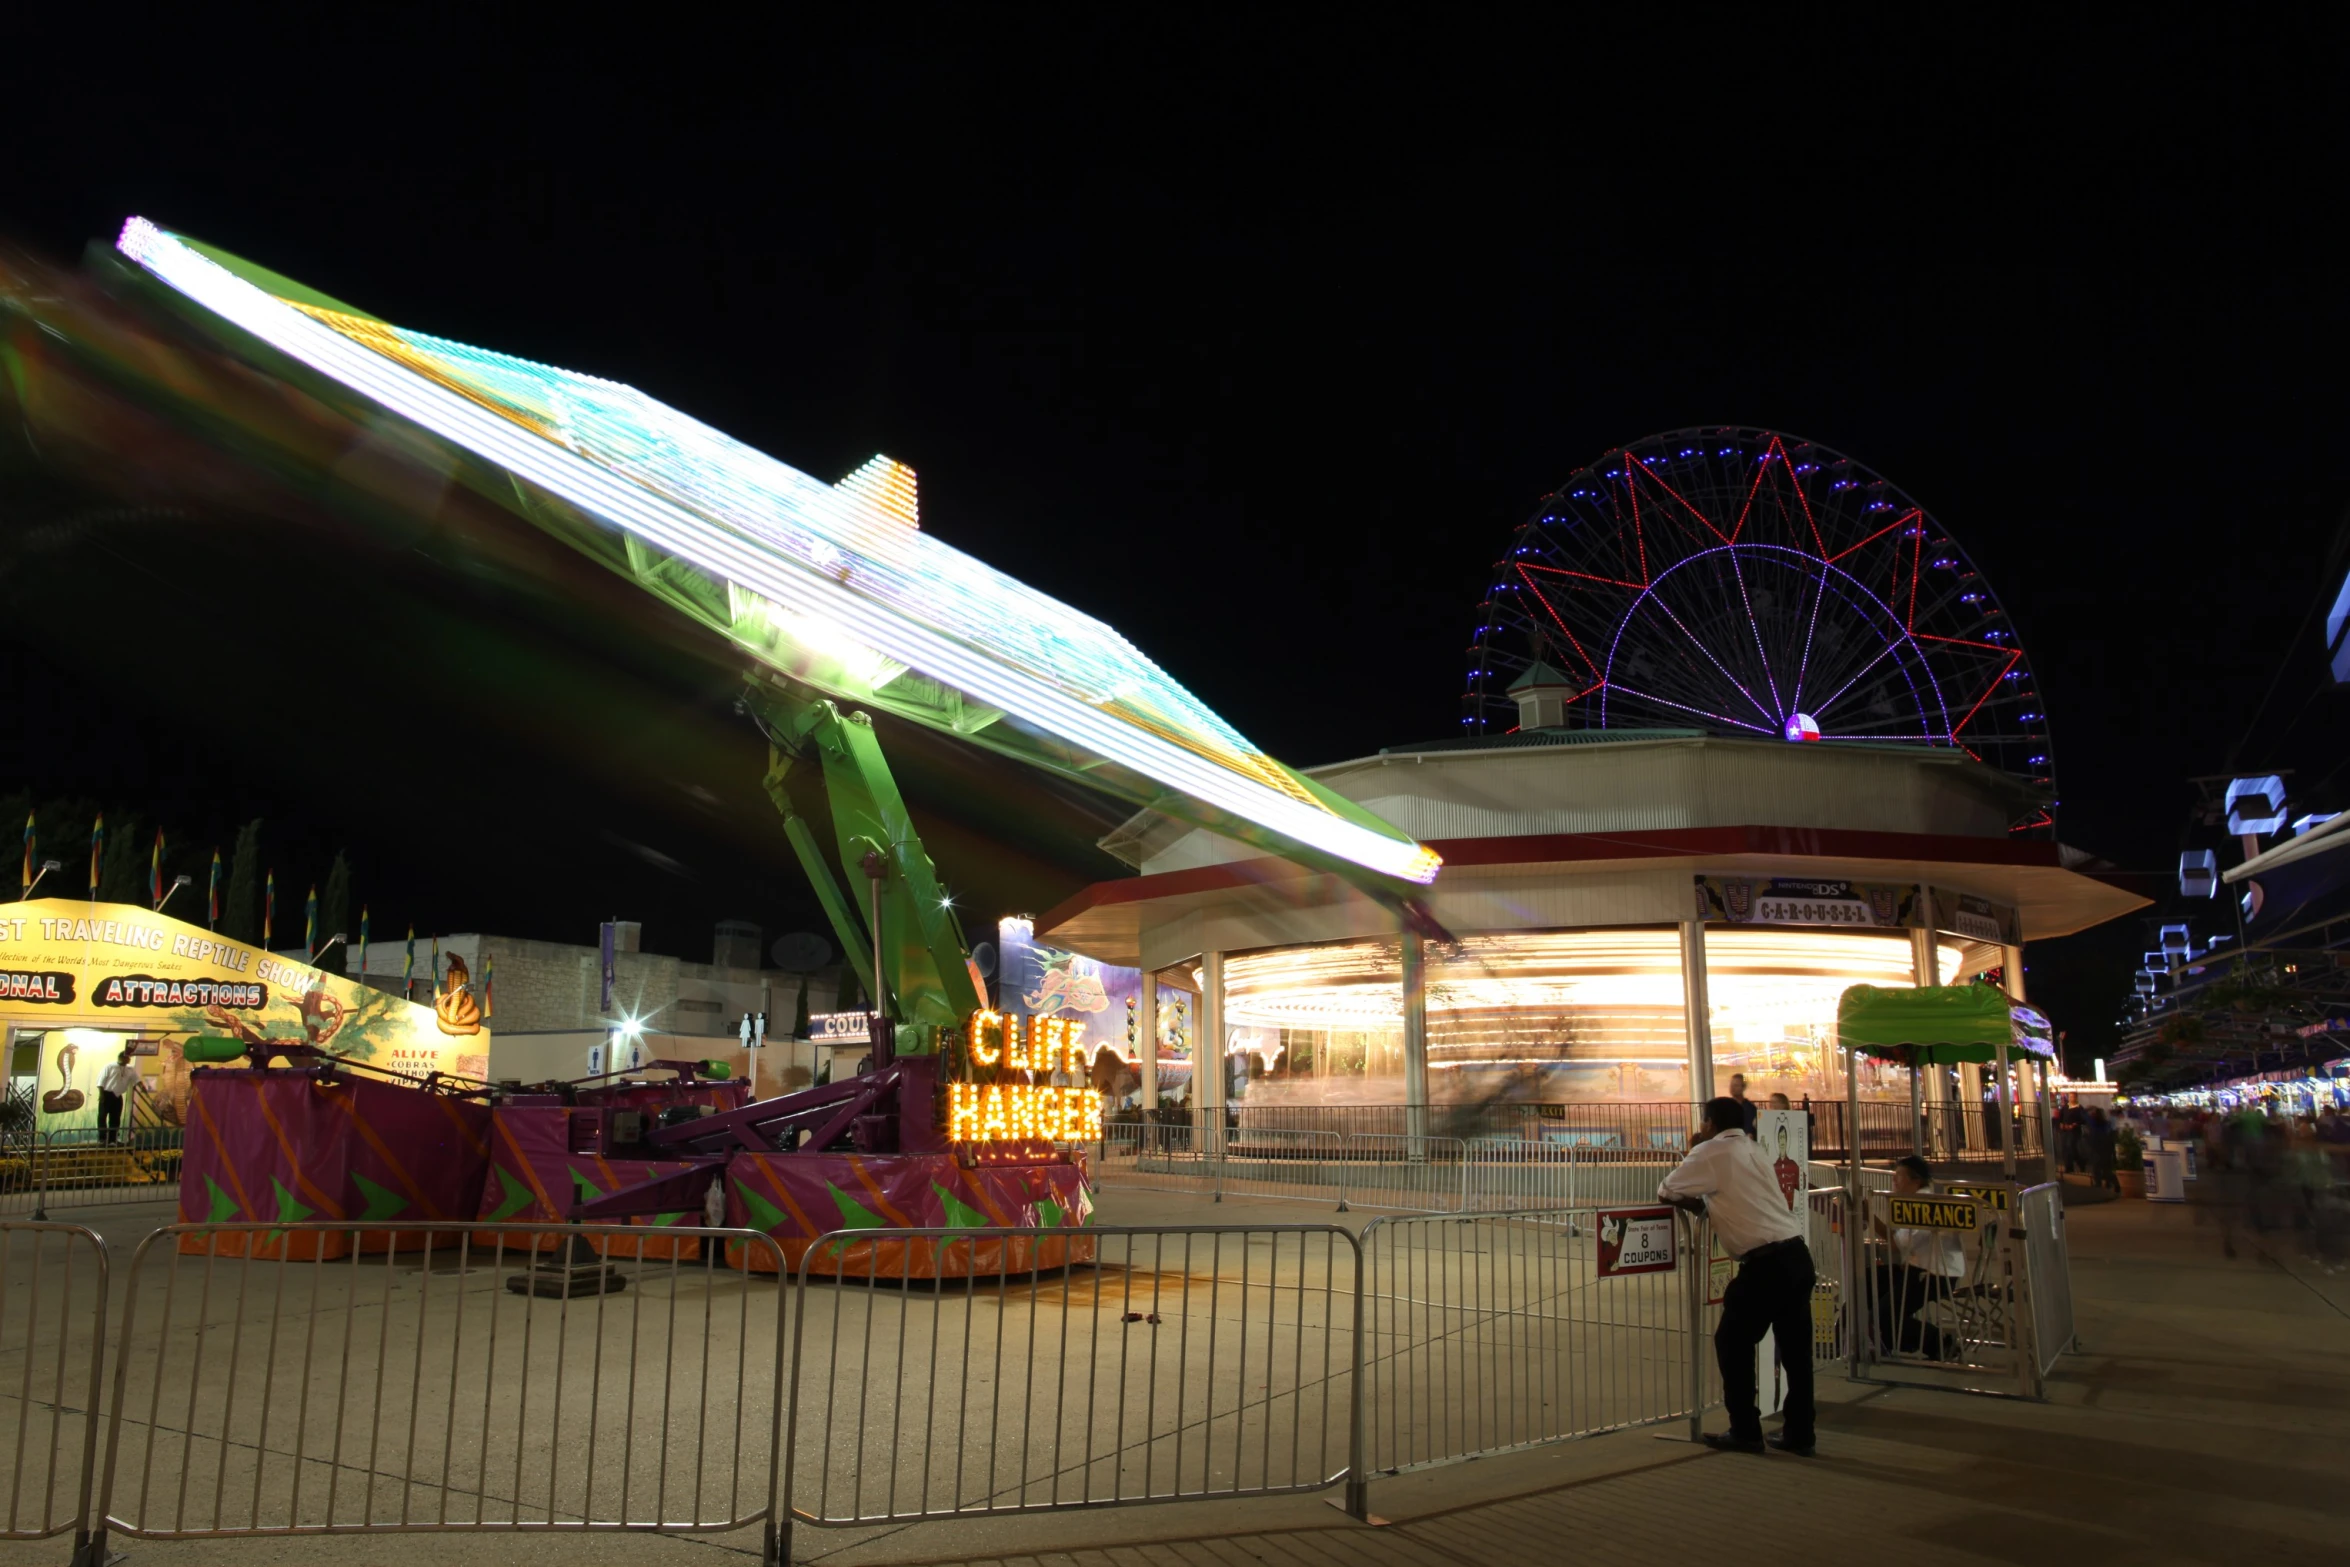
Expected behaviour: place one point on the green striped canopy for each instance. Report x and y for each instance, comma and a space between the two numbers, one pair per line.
1924, 1024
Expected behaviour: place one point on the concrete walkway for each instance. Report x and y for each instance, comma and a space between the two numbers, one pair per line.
2204, 1421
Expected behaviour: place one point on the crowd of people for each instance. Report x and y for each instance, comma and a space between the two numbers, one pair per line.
2267, 1172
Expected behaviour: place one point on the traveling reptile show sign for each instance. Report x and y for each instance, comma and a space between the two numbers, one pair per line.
81, 972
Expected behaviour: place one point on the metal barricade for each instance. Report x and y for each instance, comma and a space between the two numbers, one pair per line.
45, 1172
1155, 1365
1831, 1296
1940, 1290
1277, 1162
1513, 1174
1402, 1172
2048, 1278
1492, 1332
327, 1379
52, 1348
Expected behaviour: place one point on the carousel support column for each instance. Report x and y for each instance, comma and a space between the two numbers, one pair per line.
1146, 1040
1923, 972
1209, 1064
1414, 979
2011, 972
1697, 1017
1856, 1290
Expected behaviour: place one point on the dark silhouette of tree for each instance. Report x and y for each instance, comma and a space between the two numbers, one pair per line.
334, 914
241, 920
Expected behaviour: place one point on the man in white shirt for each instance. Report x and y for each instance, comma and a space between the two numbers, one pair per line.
1923, 1267
117, 1083
1727, 1177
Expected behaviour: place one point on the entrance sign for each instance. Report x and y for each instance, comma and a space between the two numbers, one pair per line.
1935, 1213
1637, 1240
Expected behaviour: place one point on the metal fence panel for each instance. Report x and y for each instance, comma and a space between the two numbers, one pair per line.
443, 1377
1962, 1327
52, 1346
1490, 1332
47, 1171
1511, 1174
1411, 1174
1172, 1363
2048, 1274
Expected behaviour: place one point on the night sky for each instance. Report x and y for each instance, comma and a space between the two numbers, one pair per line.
1258, 342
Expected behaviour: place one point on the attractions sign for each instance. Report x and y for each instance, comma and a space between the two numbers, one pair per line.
81, 974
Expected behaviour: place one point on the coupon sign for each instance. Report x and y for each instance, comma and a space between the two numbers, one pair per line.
1636, 1240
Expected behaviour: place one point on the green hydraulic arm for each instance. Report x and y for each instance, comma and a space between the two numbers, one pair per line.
927, 979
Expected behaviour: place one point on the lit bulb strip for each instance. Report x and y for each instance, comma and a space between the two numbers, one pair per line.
761, 566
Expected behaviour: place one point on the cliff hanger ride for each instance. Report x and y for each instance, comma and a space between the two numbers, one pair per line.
834, 588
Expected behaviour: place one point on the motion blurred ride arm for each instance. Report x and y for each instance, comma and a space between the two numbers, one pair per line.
928, 980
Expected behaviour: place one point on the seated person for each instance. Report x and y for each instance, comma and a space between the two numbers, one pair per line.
1922, 1268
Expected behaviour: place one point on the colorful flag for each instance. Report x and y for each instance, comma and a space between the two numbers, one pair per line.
155, 871
489, 969
268, 909
97, 849
310, 925
408, 969
28, 854
212, 908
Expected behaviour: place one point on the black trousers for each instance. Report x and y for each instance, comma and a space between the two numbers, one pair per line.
1771, 1294
1902, 1293
109, 1115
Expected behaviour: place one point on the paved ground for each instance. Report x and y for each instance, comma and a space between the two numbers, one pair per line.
2203, 1422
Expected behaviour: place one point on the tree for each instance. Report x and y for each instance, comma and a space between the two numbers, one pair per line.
123, 862
241, 920
334, 914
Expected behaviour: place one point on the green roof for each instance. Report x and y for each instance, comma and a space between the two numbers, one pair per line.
1539, 674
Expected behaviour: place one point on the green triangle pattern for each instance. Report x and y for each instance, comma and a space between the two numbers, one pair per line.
288, 1210
764, 1214
1048, 1214
224, 1207
382, 1201
960, 1215
854, 1215
587, 1190
518, 1196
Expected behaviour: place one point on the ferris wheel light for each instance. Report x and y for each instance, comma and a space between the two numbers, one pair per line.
1752, 585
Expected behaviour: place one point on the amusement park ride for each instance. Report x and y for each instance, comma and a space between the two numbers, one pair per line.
839, 605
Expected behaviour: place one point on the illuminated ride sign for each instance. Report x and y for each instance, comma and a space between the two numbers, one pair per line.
828, 584
992, 1105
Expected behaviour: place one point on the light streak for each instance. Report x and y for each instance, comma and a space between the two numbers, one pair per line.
848, 560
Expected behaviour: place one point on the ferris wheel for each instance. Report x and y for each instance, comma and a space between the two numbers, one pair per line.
1744, 582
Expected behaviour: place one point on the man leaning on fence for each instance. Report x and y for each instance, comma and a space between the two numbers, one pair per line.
1727, 1177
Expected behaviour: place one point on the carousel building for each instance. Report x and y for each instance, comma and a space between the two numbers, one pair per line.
1742, 727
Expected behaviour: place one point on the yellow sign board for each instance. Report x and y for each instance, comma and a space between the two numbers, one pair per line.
82, 978
1934, 1213
1990, 1196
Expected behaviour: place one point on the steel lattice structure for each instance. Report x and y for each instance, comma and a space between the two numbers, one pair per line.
1745, 582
